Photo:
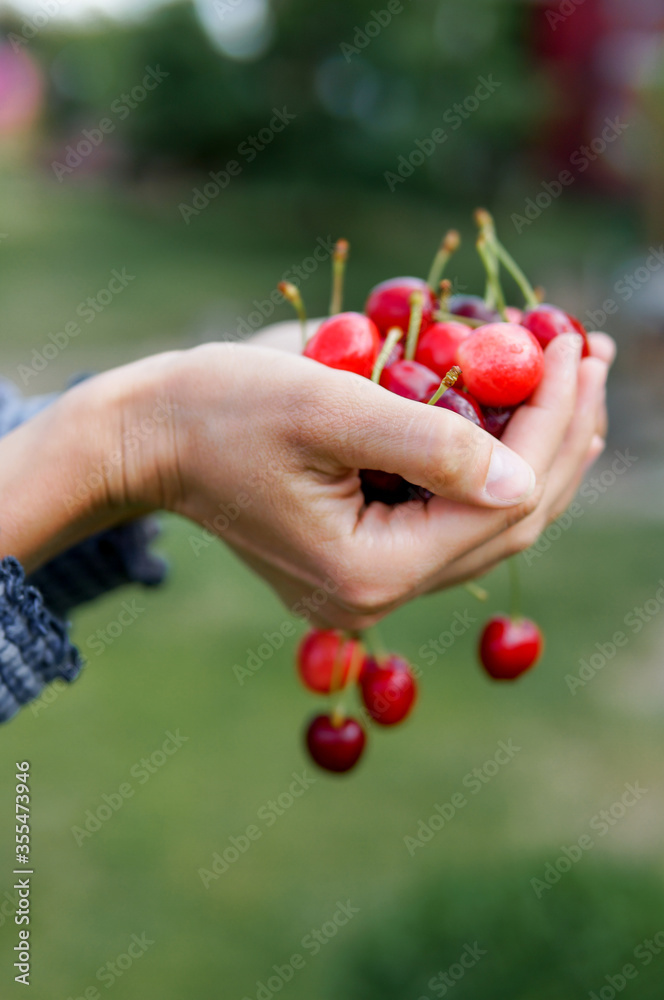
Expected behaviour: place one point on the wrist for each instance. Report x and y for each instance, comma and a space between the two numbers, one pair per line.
89, 461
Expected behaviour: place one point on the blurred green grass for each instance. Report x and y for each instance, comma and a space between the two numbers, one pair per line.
173, 667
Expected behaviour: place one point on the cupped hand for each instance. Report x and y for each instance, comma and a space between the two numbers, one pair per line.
263, 449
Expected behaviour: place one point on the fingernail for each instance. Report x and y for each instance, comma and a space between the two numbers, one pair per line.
510, 479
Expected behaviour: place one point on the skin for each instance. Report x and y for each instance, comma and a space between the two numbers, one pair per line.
277, 440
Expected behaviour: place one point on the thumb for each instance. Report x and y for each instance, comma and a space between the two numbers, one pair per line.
427, 445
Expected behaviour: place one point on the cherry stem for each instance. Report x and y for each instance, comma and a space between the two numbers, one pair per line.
449, 245
485, 250
488, 229
416, 309
515, 588
292, 294
339, 258
447, 383
445, 294
374, 644
447, 317
338, 716
479, 592
391, 341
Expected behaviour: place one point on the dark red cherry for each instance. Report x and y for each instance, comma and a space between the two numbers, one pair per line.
390, 488
438, 345
388, 689
496, 418
463, 404
335, 747
410, 380
348, 341
509, 647
546, 322
389, 305
324, 655
502, 364
473, 307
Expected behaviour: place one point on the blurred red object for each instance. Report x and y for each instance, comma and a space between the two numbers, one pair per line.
21, 90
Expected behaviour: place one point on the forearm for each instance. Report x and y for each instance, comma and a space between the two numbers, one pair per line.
63, 473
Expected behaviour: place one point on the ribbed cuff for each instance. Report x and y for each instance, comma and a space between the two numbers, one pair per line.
34, 645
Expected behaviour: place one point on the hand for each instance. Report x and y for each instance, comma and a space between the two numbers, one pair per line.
264, 449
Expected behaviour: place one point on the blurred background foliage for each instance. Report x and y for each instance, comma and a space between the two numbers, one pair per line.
229, 64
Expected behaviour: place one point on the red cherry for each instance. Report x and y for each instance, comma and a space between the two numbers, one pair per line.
335, 747
509, 647
514, 315
473, 307
438, 345
388, 304
348, 341
410, 380
388, 689
318, 659
502, 364
546, 322
463, 404
496, 418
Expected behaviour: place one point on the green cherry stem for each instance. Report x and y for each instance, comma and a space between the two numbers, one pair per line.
485, 250
292, 294
449, 245
338, 716
478, 592
487, 228
391, 341
447, 383
339, 258
443, 316
416, 308
515, 588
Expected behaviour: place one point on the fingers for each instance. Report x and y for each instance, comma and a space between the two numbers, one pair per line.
427, 445
602, 346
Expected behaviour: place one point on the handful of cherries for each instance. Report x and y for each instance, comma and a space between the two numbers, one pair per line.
473, 355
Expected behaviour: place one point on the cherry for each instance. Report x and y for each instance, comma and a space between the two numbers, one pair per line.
463, 404
348, 341
438, 345
335, 747
496, 419
546, 322
514, 315
411, 380
502, 364
390, 488
389, 303
473, 307
324, 657
388, 689
509, 647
